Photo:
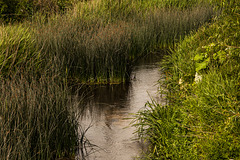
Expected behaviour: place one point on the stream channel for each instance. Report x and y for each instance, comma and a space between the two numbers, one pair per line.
109, 108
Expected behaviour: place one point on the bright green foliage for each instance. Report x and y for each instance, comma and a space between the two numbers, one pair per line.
18, 50
163, 128
224, 44
201, 119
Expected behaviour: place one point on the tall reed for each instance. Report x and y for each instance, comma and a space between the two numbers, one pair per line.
36, 119
93, 49
96, 49
36, 111
18, 49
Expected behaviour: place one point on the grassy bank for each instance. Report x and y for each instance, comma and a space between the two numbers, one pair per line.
201, 119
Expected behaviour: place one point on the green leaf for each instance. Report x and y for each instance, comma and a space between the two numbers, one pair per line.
222, 56
198, 57
202, 65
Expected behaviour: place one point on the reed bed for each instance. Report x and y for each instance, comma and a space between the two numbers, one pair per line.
93, 49
101, 49
37, 119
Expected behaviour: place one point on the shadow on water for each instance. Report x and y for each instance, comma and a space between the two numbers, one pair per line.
107, 112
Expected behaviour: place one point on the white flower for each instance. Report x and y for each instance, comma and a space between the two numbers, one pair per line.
212, 44
228, 48
180, 81
197, 78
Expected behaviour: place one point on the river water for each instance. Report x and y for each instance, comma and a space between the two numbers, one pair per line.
109, 111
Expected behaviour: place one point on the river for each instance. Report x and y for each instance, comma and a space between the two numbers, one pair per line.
109, 111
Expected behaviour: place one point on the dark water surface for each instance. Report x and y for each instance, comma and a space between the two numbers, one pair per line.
109, 108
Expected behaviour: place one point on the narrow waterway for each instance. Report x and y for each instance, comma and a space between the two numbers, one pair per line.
109, 109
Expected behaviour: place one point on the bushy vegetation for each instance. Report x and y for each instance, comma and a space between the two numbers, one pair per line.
201, 119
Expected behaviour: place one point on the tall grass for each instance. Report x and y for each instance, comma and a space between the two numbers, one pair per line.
18, 49
36, 109
162, 128
93, 49
111, 10
37, 119
102, 49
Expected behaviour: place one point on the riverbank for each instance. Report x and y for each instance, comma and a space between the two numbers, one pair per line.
201, 119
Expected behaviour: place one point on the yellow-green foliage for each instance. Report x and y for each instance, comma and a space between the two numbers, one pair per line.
18, 49
109, 10
201, 120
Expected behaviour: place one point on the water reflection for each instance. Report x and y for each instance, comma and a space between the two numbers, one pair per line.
105, 99
108, 111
